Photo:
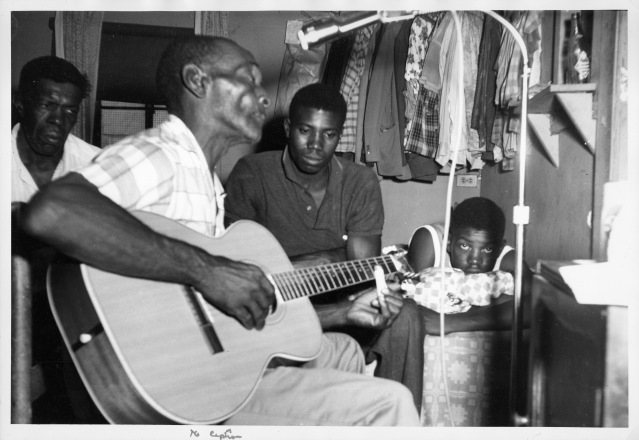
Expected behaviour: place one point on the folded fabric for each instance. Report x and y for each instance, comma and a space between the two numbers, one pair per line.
450, 291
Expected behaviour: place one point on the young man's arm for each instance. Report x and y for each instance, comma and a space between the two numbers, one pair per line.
361, 247
365, 310
357, 248
72, 215
319, 258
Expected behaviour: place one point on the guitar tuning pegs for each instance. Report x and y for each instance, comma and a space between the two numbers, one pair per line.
395, 249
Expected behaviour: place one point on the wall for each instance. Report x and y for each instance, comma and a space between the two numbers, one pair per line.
407, 204
566, 202
559, 200
30, 38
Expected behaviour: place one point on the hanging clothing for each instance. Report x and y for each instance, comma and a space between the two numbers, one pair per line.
420, 32
484, 109
421, 168
422, 135
415, 95
360, 152
400, 59
509, 67
451, 100
472, 24
381, 135
350, 87
336, 61
509, 63
411, 45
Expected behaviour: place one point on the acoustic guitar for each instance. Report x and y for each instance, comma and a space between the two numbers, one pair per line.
153, 352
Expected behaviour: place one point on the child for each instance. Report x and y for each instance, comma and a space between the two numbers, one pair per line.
475, 246
476, 243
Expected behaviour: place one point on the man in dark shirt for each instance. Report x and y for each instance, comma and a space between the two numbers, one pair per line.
323, 209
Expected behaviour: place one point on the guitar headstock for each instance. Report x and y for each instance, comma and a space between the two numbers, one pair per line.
398, 254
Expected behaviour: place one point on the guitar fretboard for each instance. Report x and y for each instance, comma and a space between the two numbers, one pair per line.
320, 279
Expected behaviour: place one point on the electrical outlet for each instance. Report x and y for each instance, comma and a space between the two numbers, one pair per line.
467, 180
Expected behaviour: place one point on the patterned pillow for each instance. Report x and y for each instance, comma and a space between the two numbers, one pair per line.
458, 291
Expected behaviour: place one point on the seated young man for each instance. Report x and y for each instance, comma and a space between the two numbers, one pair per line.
323, 209
475, 245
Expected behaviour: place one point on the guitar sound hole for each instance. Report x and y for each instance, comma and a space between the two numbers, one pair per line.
275, 313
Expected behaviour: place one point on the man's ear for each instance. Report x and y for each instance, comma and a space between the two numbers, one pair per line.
287, 126
194, 80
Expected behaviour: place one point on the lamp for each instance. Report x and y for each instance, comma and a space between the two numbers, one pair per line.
329, 28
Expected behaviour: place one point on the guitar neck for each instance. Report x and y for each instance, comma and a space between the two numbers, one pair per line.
321, 279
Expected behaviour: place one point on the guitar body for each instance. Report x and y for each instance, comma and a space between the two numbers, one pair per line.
148, 359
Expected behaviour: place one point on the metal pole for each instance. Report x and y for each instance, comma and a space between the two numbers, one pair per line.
520, 218
21, 358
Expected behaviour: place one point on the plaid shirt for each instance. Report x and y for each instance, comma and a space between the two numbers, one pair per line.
422, 132
350, 88
162, 170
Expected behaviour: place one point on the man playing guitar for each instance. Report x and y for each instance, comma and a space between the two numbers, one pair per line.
215, 99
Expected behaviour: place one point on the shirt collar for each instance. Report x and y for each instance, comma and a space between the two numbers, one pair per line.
184, 136
335, 171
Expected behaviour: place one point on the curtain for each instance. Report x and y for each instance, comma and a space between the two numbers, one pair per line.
77, 40
213, 23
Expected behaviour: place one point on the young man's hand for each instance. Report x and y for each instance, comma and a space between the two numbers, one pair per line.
368, 310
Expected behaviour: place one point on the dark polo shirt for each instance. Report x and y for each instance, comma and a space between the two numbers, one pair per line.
262, 188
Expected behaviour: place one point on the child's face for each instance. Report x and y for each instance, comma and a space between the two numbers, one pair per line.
473, 250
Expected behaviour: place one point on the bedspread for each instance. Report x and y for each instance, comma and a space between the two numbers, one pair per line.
478, 375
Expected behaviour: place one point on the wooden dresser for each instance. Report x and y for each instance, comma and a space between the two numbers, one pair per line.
578, 358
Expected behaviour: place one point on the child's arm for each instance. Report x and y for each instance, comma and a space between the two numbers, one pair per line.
492, 317
509, 263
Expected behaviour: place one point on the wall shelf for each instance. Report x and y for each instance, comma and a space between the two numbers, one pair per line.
549, 106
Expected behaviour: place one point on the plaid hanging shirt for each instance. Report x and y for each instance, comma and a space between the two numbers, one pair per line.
350, 88
422, 132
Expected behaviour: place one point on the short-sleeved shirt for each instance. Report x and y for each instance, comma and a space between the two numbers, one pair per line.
262, 187
76, 154
162, 170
